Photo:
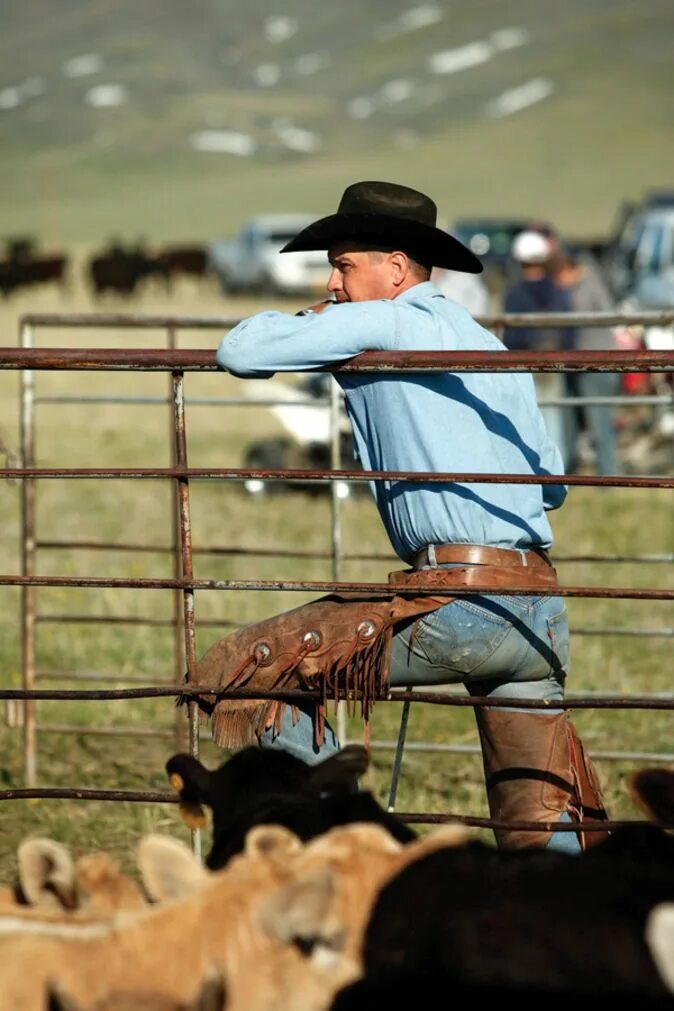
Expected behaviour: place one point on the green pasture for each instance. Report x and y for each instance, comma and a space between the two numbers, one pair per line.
592, 521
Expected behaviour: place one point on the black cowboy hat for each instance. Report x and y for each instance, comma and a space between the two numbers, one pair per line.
389, 216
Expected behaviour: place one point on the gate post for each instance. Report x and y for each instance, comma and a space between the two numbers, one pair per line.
28, 593
335, 464
186, 566
177, 605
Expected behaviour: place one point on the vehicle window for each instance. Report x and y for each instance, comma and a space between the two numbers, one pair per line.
668, 250
655, 261
631, 237
649, 254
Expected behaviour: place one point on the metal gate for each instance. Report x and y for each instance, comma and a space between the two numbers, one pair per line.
175, 362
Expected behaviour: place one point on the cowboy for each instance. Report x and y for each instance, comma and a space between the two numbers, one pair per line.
382, 245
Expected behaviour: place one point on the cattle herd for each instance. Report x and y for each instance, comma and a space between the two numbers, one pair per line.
119, 269
314, 898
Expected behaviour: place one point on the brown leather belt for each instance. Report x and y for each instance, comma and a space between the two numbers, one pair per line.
481, 554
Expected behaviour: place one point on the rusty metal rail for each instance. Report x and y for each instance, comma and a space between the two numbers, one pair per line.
394, 695
422, 818
177, 362
330, 586
321, 476
145, 322
184, 360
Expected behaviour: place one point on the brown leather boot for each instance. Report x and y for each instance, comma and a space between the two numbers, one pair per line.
536, 769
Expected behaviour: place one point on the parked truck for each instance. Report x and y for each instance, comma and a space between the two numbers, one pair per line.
252, 260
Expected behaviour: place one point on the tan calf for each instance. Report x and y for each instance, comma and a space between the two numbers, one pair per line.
52, 884
283, 923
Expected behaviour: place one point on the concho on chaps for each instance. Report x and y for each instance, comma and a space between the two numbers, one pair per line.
339, 645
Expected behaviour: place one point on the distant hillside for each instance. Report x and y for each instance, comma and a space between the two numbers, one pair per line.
171, 119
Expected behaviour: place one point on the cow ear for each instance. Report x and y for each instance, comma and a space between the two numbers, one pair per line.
652, 790
271, 841
189, 778
213, 994
47, 874
342, 770
59, 1000
168, 868
660, 940
304, 913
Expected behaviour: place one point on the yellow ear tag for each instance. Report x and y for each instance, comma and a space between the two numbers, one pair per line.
193, 815
176, 781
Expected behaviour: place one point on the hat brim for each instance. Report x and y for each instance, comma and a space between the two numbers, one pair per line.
432, 245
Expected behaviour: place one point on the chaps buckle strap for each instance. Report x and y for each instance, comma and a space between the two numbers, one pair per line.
480, 554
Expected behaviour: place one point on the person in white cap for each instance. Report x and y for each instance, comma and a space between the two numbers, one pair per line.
536, 291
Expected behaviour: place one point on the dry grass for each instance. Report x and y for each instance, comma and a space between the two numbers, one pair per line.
594, 521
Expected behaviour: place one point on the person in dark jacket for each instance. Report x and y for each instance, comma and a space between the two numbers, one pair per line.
537, 291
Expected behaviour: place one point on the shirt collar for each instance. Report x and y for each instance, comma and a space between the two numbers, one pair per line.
425, 289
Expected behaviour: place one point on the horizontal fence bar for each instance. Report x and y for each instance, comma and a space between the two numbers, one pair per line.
418, 746
395, 695
628, 400
452, 691
112, 619
649, 633
229, 401
475, 749
657, 317
77, 676
187, 360
426, 818
319, 476
63, 793
149, 797
667, 557
316, 586
665, 400
128, 319
85, 731
121, 619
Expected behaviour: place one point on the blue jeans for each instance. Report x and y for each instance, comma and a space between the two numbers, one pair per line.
497, 646
600, 419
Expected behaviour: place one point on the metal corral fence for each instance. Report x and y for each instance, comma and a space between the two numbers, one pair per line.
176, 362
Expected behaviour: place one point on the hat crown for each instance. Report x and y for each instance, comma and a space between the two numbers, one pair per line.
389, 199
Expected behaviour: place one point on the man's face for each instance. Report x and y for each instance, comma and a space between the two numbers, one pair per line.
361, 275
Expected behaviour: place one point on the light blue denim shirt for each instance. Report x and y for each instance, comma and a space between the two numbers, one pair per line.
469, 422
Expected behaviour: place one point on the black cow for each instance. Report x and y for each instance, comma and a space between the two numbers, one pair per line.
191, 261
120, 270
21, 269
526, 926
258, 787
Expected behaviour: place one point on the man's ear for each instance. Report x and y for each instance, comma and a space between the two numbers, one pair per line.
400, 267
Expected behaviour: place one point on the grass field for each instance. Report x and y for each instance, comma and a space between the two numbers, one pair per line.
591, 521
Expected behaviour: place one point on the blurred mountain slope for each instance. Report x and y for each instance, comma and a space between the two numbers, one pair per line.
303, 98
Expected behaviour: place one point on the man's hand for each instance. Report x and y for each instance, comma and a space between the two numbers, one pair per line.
318, 307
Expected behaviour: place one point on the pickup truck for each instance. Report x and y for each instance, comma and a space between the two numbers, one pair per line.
252, 261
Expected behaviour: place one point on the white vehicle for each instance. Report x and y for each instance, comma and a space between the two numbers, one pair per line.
640, 264
252, 261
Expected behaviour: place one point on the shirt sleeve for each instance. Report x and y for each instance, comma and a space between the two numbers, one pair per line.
278, 342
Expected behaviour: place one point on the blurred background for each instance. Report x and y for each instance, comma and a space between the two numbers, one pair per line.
173, 121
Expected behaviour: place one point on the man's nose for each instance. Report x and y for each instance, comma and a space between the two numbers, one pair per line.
335, 280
